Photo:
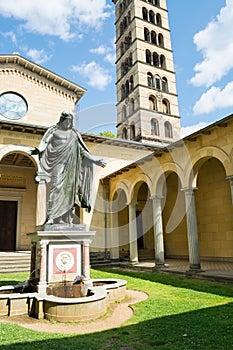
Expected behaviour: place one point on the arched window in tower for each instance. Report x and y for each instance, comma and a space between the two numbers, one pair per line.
122, 92
124, 113
164, 84
160, 40
146, 34
129, 39
124, 134
148, 56
123, 5
154, 127
131, 106
153, 38
155, 59
158, 20
157, 82
144, 14
132, 131
125, 23
128, 18
151, 17
131, 84
125, 67
166, 106
162, 62
152, 103
121, 28
122, 48
150, 79
122, 69
130, 61
120, 10
168, 130
156, 2
126, 88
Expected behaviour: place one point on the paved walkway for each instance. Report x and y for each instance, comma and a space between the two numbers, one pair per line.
212, 270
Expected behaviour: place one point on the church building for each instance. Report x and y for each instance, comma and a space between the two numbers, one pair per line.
159, 196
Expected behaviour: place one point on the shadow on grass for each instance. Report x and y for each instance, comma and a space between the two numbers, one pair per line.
177, 281
205, 329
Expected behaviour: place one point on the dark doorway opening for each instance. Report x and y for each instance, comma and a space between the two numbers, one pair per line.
139, 230
8, 223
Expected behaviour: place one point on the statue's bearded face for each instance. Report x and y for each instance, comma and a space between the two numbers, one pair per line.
67, 123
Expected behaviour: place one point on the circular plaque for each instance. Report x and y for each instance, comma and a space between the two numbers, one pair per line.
12, 105
65, 261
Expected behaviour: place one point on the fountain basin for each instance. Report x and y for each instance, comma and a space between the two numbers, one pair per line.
63, 309
115, 288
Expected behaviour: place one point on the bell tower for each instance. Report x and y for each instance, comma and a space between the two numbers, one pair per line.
147, 102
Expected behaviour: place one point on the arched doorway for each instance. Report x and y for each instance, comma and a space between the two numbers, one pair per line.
174, 218
17, 201
214, 210
120, 202
144, 215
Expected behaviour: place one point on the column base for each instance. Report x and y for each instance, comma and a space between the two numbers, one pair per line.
41, 288
158, 267
133, 262
194, 269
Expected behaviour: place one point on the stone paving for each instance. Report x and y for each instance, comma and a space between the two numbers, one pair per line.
213, 270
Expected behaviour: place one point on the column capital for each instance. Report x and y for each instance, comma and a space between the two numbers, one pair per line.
156, 197
189, 190
44, 242
42, 177
132, 203
229, 178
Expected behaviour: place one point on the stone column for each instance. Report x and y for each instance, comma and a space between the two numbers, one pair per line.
114, 232
33, 261
192, 231
86, 259
42, 180
230, 178
133, 233
43, 267
158, 231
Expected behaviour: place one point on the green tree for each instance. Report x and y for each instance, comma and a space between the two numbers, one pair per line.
107, 133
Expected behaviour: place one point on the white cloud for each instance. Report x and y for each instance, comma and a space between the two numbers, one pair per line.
11, 36
38, 56
188, 130
101, 50
61, 18
107, 52
215, 98
216, 45
97, 76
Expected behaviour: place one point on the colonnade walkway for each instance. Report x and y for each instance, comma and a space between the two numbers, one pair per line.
212, 270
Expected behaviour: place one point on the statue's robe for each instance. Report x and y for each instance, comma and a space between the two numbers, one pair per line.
70, 168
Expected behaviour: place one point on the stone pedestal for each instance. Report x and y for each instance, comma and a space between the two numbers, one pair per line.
61, 252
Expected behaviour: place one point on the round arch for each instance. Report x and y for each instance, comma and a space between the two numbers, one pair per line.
192, 169
160, 177
123, 185
19, 149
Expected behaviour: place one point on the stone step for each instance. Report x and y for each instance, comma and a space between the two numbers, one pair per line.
12, 262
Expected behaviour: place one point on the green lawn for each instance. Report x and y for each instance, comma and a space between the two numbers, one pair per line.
180, 314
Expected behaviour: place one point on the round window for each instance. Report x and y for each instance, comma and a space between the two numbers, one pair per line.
13, 105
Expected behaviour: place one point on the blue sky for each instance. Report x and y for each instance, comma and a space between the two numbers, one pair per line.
75, 39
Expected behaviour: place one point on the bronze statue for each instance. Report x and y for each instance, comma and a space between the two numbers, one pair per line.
65, 158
